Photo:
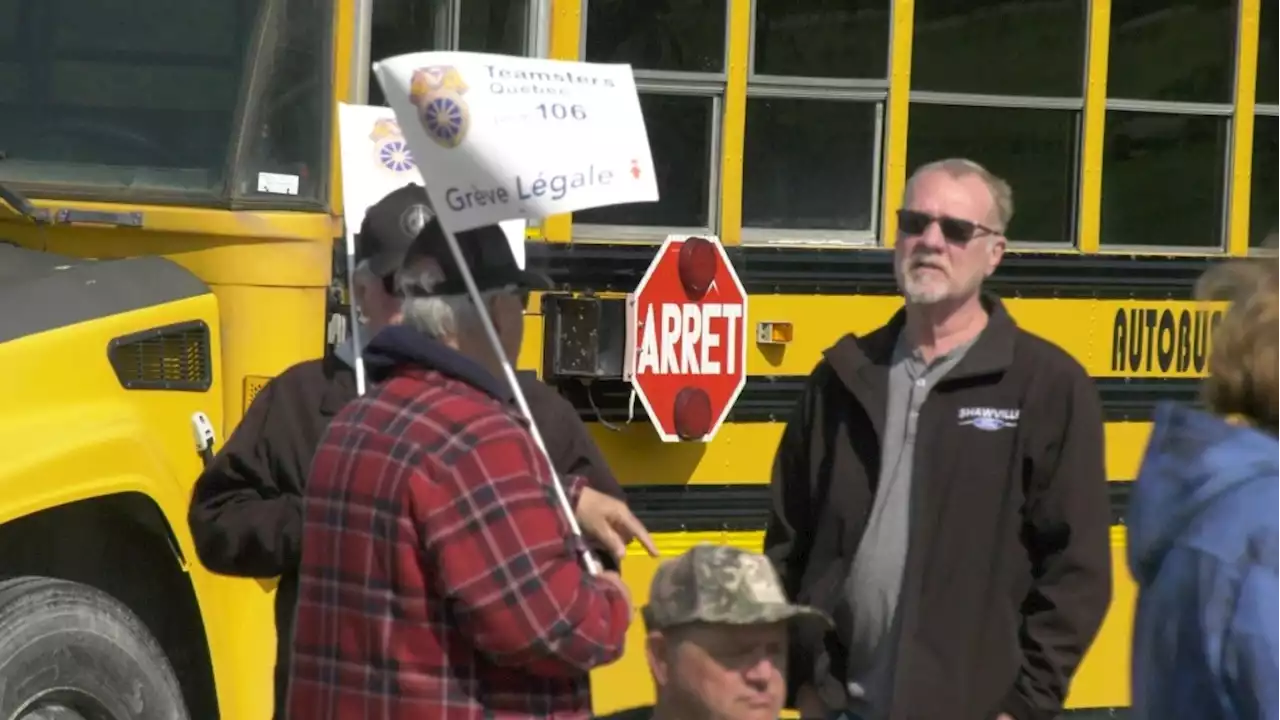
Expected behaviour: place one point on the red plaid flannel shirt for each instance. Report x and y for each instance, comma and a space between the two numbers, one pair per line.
439, 579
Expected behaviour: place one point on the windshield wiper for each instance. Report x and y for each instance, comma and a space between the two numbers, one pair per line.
20, 204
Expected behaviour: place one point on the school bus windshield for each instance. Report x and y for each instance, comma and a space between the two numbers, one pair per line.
202, 102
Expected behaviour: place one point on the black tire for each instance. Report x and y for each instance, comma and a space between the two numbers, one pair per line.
70, 651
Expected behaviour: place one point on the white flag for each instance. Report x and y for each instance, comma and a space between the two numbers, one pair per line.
503, 137
376, 160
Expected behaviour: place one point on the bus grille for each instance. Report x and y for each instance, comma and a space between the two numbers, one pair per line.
172, 357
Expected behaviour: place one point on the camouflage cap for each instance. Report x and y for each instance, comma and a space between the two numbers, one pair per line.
720, 584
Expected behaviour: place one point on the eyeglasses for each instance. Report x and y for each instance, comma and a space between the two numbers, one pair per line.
956, 230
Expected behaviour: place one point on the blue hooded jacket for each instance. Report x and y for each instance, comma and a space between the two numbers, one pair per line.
1203, 550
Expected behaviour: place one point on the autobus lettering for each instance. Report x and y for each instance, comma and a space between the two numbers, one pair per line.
1162, 339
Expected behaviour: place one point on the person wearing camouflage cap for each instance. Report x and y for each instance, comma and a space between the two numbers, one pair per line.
716, 624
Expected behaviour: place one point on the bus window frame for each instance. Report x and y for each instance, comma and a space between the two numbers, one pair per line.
705, 85
1225, 111
1024, 102
449, 23
839, 89
1265, 111
853, 91
361, 49
254, 96
1075, 104
715, 86
1089, 109
223, 197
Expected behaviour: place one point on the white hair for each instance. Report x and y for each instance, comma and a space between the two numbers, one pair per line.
361, 276
440, 317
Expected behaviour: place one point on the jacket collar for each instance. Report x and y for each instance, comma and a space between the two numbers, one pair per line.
397, 349
859, 359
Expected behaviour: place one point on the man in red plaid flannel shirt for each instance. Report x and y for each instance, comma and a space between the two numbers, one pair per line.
439, 579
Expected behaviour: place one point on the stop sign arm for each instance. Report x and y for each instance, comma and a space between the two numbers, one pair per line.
685, 352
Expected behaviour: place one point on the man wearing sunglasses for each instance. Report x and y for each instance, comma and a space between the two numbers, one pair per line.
940, 490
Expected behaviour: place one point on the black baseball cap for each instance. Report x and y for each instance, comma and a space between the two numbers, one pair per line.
402, 229
389, 227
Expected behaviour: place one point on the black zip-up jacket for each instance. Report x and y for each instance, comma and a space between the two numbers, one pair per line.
246, 507
1008, 571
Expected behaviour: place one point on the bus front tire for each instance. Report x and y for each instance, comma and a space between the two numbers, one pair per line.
70, 651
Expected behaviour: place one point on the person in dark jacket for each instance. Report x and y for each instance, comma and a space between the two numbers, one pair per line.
940, 490
1204, 541
246, 507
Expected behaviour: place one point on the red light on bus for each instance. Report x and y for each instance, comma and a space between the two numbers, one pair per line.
692, 413
697, 266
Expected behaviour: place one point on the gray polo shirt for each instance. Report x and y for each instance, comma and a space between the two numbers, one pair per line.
875, 579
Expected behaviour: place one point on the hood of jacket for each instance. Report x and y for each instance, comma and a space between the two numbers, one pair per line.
1203, 478
397, 348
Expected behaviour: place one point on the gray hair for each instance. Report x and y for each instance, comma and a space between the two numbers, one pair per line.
1001, 193
440, 316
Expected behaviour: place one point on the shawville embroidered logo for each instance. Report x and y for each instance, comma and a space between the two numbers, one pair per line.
437, 94
389, 148
989, 419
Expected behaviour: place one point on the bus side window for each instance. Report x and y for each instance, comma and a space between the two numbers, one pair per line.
405, 26
494, 26
286, 143
121, 98
408, 26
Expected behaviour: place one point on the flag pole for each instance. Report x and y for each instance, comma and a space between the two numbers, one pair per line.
353, 314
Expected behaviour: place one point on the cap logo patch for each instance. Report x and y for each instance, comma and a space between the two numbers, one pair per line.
414, 219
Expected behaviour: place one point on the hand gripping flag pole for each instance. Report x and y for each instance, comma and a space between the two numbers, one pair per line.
588, 559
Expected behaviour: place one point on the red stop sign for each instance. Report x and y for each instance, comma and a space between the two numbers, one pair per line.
687, 338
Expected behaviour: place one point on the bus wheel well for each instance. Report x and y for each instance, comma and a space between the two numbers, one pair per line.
121, 545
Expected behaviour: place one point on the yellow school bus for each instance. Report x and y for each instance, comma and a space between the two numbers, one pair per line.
167, 229
170, 208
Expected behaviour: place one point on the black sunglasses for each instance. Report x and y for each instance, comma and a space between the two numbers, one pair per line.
956, 230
